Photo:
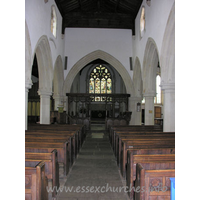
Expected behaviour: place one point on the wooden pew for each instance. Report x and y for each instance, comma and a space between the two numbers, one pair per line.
51, 166
59, 134
44, 147
162, 161
66, 127
133, 135
139, 135
36, 182
39, 137
141, 144
154, 179
141, 128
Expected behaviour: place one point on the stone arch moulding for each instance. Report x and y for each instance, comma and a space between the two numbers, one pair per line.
28, 58
137, 78
58, 78
167, 57
151, 58
99, 54
45, 67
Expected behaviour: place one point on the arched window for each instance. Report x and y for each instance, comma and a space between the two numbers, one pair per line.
143, 100
158, 90
53, 21
100, 81
142, 22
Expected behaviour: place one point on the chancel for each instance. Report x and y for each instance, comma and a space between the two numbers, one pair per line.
100, 97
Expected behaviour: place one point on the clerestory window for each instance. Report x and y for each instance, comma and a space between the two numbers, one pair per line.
53, 21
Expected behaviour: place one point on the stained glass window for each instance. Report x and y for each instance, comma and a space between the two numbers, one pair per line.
100, 82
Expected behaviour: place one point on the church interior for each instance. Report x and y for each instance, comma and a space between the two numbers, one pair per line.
100, 99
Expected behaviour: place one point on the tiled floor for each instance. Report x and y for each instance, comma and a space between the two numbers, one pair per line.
95, 175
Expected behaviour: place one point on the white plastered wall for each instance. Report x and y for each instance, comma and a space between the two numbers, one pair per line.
156, 20
38, 19
79, 42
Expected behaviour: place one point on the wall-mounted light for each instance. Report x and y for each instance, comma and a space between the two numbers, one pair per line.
138, 107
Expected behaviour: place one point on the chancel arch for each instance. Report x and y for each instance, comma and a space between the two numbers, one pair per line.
99, 54
115, 68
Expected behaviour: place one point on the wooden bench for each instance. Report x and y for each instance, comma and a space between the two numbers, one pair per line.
162, 161
71, 145
153, 178
139, 135
67, 127
44, 147
141, 128
36, 182
141, 144
58, 134
51, 166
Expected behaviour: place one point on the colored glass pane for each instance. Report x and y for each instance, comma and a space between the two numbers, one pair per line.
91, 89
97, 85
103, 86
109, 86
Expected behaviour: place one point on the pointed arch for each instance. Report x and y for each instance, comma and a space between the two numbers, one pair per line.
137, 78
28, 57
58, 78
150, 63
167, 61
167, 57
45, 67
98, 54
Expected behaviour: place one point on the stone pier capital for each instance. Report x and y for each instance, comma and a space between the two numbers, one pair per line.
28, 85
167, 86
44, 93
149, 94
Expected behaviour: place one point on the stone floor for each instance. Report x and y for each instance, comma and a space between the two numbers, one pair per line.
94, 175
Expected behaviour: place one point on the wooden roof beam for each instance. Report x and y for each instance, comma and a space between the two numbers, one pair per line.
80, 4
117, 5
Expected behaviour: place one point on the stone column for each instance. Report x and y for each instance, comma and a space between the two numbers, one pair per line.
168, 107
27, 87
131, 109
137, 115
57, 101
65, 103
44, 107
149, 108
